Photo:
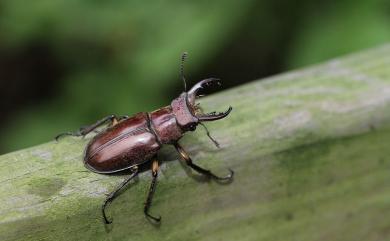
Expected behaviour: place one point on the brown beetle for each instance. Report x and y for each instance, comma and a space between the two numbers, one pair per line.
128, 142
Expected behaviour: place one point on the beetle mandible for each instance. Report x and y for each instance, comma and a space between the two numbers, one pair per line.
128, 142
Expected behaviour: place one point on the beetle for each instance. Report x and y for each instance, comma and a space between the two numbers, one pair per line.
127, 142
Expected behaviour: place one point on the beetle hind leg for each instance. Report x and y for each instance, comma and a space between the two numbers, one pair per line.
199, 169
155, 167
111, 120
116, 192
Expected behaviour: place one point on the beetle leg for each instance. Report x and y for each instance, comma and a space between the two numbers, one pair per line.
199, 169
115, 193
152, 188
83, 131
208, 134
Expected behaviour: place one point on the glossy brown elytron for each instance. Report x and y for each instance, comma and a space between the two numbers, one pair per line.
128, 142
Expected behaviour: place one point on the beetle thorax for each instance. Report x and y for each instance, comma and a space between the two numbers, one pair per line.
164, 125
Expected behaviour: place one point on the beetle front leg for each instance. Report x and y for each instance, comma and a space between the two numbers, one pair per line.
115, 193
83, 131
152, 188
199, 169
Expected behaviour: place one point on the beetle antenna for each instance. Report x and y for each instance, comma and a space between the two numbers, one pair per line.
183, 59
208, 134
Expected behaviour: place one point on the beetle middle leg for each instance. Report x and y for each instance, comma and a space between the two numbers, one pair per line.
199, 169
115, 193
155, 167
83, 131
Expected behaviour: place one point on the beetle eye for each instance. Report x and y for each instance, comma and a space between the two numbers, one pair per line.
192, 127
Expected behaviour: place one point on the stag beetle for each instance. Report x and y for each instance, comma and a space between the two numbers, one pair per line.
128, 142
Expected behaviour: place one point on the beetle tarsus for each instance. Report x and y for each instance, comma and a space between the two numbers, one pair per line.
156, 219
64, 134
208, 173
106, 221
152, 189
229, 177
116, 192
199, 169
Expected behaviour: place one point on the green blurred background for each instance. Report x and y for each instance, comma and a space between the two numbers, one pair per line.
67, 63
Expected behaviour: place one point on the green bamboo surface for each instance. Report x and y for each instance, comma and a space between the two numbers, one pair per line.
310, 150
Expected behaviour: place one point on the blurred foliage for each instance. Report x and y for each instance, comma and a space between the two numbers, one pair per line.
122, 57
339, 28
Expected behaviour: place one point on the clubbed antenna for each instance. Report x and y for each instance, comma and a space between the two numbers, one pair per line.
183, 59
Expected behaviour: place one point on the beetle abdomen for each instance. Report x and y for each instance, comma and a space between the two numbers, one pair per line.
122, 146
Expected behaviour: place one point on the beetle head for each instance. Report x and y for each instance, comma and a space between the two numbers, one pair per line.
188, 113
